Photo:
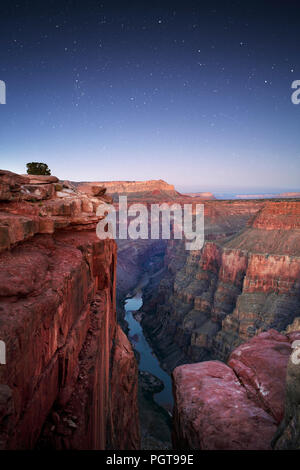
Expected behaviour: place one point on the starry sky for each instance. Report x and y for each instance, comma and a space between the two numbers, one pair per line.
195, 93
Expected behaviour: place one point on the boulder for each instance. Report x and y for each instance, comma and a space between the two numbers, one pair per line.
92, 189
10, 185
150, 383
260, 366
240, 405
98, 191
213, 412
37, 192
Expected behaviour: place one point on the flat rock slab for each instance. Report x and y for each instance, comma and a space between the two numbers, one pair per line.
213, 411
40, 179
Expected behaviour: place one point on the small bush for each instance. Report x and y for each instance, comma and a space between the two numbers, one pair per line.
37, 168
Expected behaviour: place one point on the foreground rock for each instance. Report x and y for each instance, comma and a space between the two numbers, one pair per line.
236, 406
10, 185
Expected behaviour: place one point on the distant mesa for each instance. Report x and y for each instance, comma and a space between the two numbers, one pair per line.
113, 187
151, 190
207, 195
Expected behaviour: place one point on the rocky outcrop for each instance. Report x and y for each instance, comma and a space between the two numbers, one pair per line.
211, 301
62, 207
70, 378
10, 185
236, 406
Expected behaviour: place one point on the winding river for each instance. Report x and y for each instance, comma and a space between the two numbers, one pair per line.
148, 361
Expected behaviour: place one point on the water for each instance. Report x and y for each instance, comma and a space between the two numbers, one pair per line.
148, 361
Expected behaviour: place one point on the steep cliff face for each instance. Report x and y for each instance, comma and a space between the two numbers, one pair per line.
240, 405
70, 378
212, 300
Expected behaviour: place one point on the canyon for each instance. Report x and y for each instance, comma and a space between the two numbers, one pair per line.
203, 306
221, 320
244, 281
206, 305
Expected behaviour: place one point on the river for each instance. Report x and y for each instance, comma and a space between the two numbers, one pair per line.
148, 361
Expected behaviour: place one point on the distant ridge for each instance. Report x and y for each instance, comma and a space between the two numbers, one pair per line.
131, 186
267, 196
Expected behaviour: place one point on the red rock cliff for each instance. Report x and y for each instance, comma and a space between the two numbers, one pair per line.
70, 378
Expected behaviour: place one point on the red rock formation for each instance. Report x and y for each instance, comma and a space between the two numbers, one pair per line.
234, 288
236, 406
10, 185
284, 215
69, 370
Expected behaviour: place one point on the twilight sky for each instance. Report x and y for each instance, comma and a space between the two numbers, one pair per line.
195, 93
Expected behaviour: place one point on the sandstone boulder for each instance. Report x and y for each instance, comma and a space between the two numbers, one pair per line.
10, 185
213, 411
37, 192
239, 405
260, 366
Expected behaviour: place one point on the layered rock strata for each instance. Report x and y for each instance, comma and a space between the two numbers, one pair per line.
237, 286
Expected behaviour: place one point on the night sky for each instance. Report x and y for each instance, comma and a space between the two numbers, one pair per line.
195, 93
